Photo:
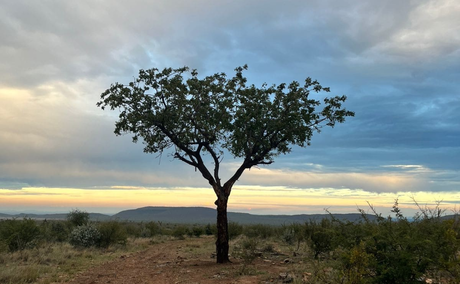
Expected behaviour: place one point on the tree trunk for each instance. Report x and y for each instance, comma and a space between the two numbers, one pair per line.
222, 245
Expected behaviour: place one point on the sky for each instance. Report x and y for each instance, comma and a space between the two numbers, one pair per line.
398, 62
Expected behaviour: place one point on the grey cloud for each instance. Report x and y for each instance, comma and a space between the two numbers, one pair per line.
55, 39
405, 98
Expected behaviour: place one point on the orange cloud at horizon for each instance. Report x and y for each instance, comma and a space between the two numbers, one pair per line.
101, 197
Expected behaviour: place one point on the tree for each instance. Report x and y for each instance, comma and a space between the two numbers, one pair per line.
77, 217
197, 117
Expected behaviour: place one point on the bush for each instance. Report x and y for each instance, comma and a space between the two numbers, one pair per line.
136, 230
321, 241
356, 264
3, 247
259, 231
55, 231
210, 230
393, 250
59, 232
78, 218
85, 236
247, 250
197, 231
234, 230
288, 235
154, 228
111, 233
19, 234
179, 232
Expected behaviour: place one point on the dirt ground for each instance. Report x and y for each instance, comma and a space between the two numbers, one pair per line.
185, 261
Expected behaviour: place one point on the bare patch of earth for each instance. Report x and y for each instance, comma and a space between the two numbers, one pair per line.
183, 261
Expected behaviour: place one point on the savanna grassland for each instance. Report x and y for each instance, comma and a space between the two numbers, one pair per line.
424, 249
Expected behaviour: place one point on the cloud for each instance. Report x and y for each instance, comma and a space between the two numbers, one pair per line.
49, 41
428, 34
390, 178
396, 61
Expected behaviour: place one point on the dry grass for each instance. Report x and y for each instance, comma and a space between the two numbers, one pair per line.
59, 262
195, 250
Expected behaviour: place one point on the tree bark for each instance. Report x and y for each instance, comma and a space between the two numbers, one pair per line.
222, 245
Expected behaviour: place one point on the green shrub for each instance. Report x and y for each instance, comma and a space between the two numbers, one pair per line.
394, 250
59, 232
356, 265
400, 249
259, 231
234, 230
288, 235
321, 241
197, 231
293, 234
154, 228
19, 234
78, 218
54, 231
136, 230
210, 230
179, 232
85, 236
144, 233
247, 250
3, 247
112, 232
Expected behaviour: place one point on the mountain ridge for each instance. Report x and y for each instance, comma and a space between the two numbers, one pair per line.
194, 215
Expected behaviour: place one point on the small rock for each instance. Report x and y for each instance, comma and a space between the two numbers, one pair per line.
286, 277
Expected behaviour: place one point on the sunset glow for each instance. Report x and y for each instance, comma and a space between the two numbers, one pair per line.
276, 200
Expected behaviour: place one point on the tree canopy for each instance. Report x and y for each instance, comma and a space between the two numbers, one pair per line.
196, 116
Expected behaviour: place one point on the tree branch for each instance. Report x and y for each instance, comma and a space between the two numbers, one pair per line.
228, 185
183, 159
216, 162
317, 122
205, 173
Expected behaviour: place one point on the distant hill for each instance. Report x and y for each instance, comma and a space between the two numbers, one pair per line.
197, 215
190, 215
168, 214
4, 216
203, 215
